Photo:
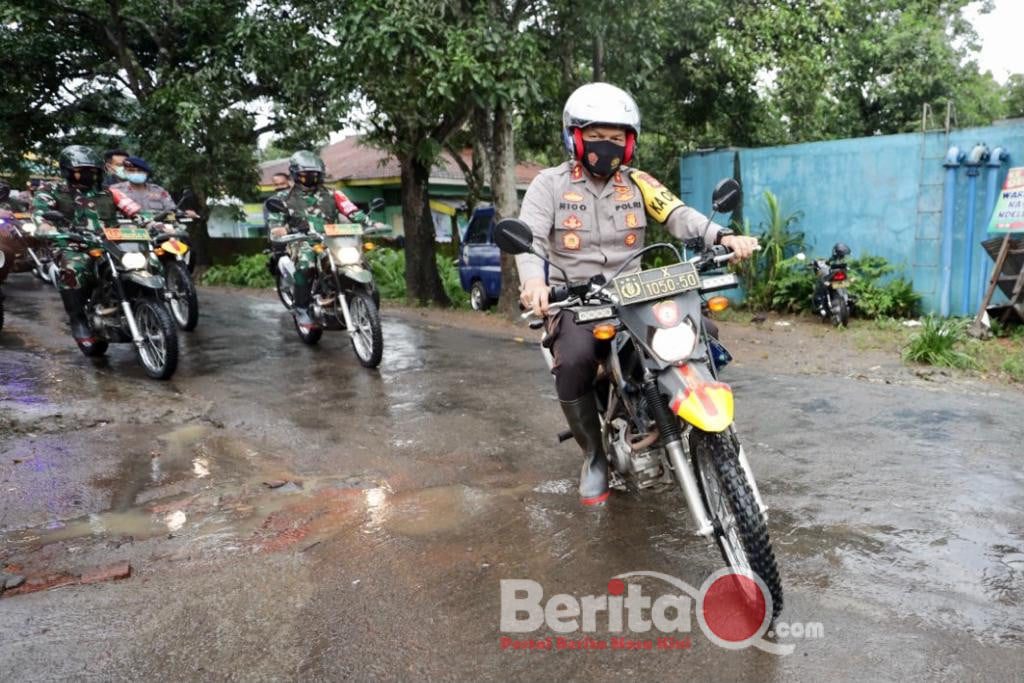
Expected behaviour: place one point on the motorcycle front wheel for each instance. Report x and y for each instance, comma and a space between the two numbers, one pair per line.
741, 530
184, 303
367, 336
284, 292
158, 352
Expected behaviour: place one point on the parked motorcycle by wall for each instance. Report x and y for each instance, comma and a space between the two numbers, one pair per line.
666, 418
831, 300
344, 296
127, 303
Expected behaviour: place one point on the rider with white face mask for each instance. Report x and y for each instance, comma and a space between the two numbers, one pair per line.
149, 196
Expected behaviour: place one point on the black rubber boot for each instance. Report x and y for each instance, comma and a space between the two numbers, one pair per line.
585, 425
74, 304
301, 302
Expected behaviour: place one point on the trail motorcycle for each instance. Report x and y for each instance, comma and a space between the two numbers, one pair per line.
127, 303
171, 246
25, 253
831, 300
666, 418
344, 296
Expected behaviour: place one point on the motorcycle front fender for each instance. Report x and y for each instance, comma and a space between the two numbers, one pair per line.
697, 397
144, 279
357, 274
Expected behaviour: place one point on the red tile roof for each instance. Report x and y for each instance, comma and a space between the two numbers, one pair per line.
351, 159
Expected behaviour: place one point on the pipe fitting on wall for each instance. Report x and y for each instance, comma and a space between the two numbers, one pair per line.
953, 157
975, 158
997, 157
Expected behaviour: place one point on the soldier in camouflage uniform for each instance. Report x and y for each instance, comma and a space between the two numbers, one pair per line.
307, 198
86, 205
589, 215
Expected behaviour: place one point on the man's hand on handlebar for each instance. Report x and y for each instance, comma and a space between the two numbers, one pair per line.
534, 296
742, 246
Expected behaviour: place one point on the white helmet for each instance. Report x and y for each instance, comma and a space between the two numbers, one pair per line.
599, 103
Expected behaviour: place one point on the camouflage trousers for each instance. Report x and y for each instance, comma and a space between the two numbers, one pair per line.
76, 271
304, 258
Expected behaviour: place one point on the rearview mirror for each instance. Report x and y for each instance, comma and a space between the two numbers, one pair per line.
189, 201
726, 196
377, 204
276, 205
513, 236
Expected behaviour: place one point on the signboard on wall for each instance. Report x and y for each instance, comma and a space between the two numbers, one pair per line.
1008, 215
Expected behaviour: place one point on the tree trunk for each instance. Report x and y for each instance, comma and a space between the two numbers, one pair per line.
502, 157
598, 55
422, 281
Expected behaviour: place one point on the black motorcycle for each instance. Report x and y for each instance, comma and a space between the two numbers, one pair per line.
127, 303
666, 418
831, 300
172, 246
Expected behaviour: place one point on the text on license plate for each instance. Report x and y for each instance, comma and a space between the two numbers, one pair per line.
126, 234
656, 283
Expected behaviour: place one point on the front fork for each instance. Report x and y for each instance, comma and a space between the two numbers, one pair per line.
678, 455
668, 426
126, 306
342, 301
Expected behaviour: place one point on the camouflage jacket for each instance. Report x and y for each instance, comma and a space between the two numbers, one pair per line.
93, 209
323, 206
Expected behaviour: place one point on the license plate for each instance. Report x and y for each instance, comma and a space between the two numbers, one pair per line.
342, 230
840, 284
656, 283
126, 234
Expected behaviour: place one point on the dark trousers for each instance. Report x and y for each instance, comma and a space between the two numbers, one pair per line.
577, 355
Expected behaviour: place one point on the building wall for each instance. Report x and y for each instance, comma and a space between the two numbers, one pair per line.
881, 195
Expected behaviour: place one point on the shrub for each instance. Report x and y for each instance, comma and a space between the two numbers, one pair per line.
388, 266
1014, 367
779, 241
894, 299
936, 344
246, 271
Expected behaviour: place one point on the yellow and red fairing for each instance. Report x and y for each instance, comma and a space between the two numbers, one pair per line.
173, 246
697, 397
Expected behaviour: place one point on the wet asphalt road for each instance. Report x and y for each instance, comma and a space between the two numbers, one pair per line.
897, 512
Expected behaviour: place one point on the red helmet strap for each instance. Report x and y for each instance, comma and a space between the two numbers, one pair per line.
630, 146
577, 143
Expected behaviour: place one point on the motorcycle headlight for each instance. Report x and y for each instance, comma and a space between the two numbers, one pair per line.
347, 256
133, 260
674, 344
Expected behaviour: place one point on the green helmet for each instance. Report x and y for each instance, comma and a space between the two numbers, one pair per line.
81, 166
306, 169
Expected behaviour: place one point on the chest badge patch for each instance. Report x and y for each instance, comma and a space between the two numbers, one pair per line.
630, 239
572, 197
631, 220
577, 172
571, 241
572, 222
623, 193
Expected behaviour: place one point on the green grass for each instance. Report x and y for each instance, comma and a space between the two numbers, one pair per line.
940, 342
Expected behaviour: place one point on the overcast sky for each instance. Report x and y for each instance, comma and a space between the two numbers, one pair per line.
1000, 31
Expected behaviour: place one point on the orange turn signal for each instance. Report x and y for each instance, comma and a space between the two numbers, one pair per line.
605, 331
369, 246
718, 304
318, 248
95, 253
159, 251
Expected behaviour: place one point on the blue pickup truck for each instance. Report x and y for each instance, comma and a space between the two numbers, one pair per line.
480, 260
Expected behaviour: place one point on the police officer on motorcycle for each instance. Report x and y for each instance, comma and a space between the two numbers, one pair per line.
84, 203
305, 198
588, 216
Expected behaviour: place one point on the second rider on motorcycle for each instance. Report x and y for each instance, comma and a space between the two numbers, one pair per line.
308, 197
589, 216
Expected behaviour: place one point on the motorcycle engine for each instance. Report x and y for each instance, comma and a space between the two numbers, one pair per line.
636, 455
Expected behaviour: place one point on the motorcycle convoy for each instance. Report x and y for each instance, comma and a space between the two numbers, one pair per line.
666, 418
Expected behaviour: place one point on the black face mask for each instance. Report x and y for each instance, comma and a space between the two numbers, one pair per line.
602, 157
